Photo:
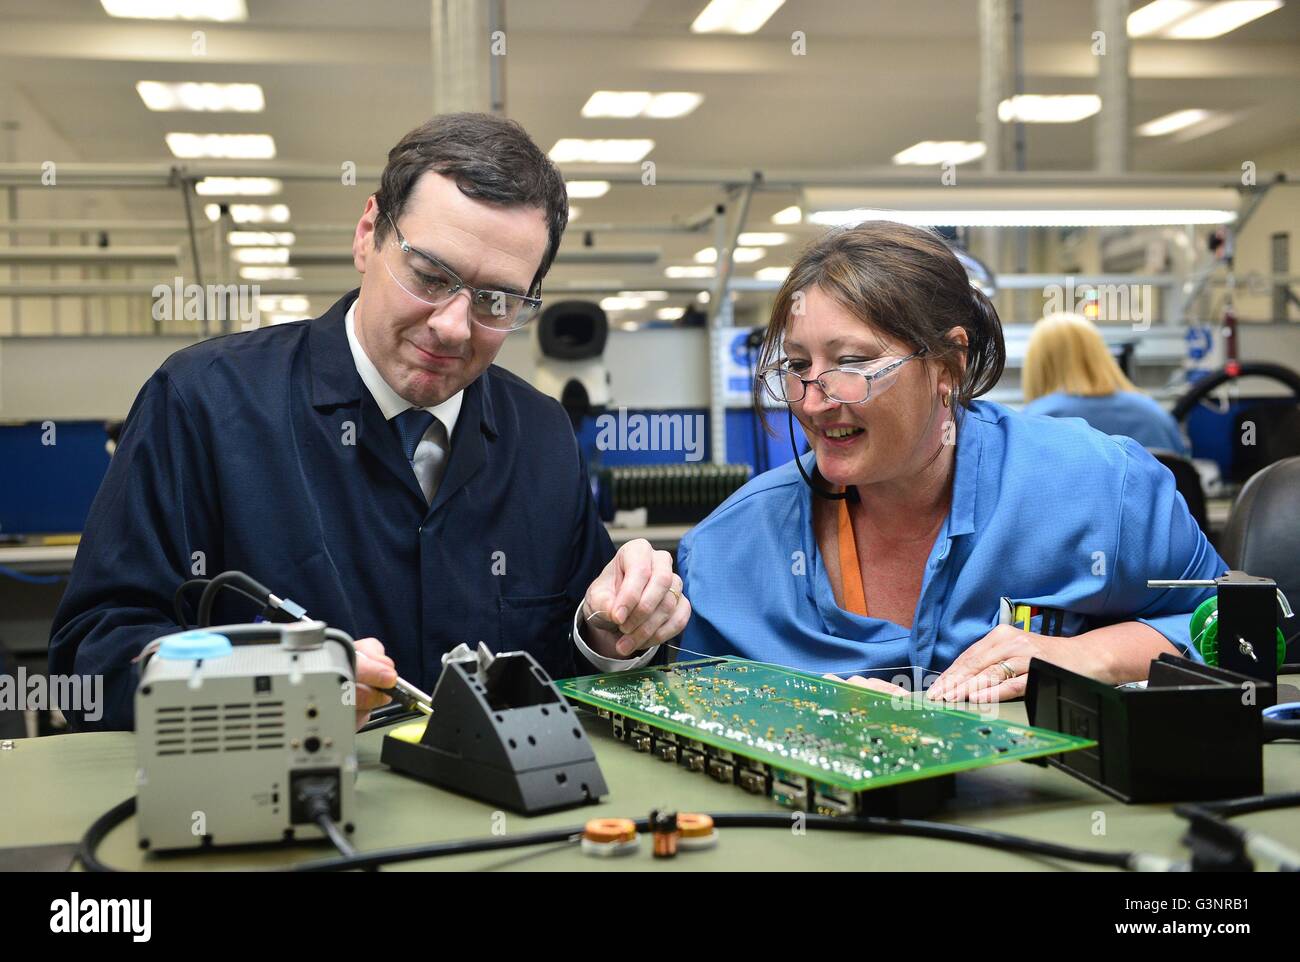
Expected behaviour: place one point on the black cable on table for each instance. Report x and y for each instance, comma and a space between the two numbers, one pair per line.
866, 825
98, 831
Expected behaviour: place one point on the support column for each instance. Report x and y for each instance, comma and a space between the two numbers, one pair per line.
1114, 88
461, 34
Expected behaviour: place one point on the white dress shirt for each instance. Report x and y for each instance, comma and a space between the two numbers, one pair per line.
434, 447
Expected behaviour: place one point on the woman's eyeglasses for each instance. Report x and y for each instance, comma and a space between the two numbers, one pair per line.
850, 384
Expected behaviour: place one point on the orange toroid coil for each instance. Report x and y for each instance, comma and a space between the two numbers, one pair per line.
609, 836
696, 831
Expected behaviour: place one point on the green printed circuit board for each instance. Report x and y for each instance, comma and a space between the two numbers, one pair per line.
809, 742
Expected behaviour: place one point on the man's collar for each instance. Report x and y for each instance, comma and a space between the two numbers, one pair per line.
390, 402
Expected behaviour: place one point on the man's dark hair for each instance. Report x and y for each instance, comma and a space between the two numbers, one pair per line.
490, 159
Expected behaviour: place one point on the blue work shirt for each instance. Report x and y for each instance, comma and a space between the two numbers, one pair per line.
1126, 413
265, 452
1044, 512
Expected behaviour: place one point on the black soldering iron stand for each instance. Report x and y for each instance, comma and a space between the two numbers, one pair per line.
501, 732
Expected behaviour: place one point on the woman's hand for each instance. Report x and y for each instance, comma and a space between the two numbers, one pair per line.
995, 667
874, 684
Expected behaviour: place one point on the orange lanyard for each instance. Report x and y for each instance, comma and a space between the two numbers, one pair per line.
855, 599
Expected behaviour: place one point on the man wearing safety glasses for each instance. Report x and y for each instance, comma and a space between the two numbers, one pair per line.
372, 463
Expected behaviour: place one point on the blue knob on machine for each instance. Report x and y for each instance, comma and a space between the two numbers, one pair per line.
190, 645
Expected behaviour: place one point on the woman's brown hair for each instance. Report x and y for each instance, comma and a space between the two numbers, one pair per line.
904, 282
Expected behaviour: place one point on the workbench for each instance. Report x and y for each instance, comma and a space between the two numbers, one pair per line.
52, 788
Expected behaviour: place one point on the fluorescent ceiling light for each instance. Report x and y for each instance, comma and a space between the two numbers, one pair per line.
772, 273
240, 98
1196, 19
1155, 17
760, 238
645, 295
574, 213
262, 255
680, 273
741, 255
1172, 122
576, 150
1048, 108
587, 189
238, 186
616, 103
251, 213
788, 215
224, 10
672, 104
260, 238
1027, 218
258, 273
735, 16
1212, 124
641, 103
622, 303
221, 146
1221, 18
670, 313
932, 152
293, 303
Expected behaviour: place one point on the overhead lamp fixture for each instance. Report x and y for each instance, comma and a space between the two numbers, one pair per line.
238, 186
212, 97
251, 213
1048, 108
260, 238
788, 215
772, 273
586, 189
641, 103
735, 16
262, 255
680, 272
929, 153
1196, 19
220, 10
190, 146
578, 150
760, 238
741, 255
1170, 123
263, 273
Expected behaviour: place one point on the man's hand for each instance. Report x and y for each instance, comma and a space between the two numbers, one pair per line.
996, 667
375, 670
635, 604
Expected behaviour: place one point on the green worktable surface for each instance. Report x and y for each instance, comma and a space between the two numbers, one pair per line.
52, 788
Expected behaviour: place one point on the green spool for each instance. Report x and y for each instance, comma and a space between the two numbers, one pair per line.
1205, 633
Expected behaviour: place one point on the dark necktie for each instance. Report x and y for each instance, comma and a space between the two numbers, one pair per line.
411, 425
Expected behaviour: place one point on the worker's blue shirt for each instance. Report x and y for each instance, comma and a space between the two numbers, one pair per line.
264, 452
1044, 512
1125, 413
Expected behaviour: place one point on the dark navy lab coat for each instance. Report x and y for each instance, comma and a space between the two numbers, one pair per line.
264, 452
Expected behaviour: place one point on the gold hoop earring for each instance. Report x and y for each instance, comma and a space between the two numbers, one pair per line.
947, 398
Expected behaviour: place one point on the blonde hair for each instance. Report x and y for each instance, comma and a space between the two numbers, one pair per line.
1066, 353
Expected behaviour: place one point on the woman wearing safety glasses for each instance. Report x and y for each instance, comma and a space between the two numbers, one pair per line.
933, 539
